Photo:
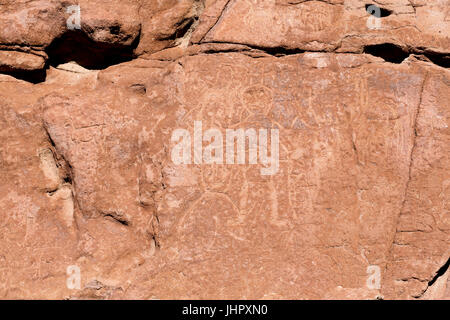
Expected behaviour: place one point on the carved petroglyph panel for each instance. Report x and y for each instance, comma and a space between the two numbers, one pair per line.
246, 21
328, 147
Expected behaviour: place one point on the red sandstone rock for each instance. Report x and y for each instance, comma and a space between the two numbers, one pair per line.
357, 208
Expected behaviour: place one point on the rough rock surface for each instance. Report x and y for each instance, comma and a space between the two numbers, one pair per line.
359, 207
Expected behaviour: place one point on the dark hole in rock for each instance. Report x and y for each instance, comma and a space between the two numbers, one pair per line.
114, 29
387, 51
442, 60
77, 46
33, 76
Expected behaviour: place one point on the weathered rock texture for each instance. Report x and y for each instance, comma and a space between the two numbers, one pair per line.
87, 178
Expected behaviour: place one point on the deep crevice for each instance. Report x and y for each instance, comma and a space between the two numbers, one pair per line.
395, 54
439, 273
387, 51
440, 59
278, 51
32, 76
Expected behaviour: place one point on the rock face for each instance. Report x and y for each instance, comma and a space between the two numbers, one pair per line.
121, 177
